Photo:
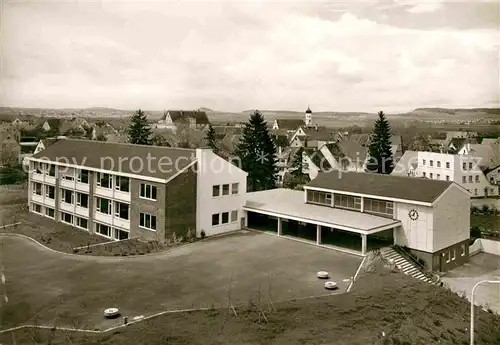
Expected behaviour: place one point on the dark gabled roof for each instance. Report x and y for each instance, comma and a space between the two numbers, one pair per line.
335, 151
290, 124
54, 123
107, 156
354, 150
318, 158
181, 116
380, 185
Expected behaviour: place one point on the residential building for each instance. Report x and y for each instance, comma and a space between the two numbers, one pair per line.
489, 154
28, 146
124, 191
287, 124
345, 155
457, 144
51, 124
285, 156
462, 169
193, 119
358, 212
493, 174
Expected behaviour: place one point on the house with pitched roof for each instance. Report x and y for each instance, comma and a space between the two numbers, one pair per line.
359, 212
345, 155
122, 191
292, 125
193, 119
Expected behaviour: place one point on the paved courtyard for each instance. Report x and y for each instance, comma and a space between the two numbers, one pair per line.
63, 289
480, 267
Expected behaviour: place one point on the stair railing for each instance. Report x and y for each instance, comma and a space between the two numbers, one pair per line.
409, 256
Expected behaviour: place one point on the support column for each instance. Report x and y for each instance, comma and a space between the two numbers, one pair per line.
363, 244
245, 219
318, 234
280, 226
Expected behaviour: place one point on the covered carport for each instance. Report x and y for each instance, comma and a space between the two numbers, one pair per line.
285, 213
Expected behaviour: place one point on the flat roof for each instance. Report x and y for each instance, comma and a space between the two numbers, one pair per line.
290, 204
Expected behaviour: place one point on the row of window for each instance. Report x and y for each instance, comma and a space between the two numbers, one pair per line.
469, 179
147, 221
120, 183
378, 206
225, 189
106, 206
79, 222
224, 218
109, 232
438, 176
438, 163
351, 202
450, 254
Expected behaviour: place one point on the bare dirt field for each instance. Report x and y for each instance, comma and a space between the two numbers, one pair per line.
60, 289
383, 308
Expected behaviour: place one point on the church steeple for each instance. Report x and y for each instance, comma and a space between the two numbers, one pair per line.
308, 117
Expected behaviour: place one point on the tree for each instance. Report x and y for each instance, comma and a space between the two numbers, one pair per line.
210, 139
380, 152
101, 137
295, 182
159, 140
257, 154
297, 166
297, 177
139, 131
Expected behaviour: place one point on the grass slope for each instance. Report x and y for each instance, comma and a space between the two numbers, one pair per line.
383, 308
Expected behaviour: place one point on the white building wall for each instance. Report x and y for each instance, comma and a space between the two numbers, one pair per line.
451, 218
214, 170
309, 167
416, 234
479, 187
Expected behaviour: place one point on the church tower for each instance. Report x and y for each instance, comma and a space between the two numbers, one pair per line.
308, 117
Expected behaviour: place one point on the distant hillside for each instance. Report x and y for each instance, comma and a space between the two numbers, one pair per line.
419, 114
494, 111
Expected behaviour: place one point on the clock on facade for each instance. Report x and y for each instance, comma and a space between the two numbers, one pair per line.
413, 214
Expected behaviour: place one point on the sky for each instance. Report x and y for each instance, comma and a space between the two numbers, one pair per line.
236, 55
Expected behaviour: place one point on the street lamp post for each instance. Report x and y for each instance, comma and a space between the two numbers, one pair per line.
472, 306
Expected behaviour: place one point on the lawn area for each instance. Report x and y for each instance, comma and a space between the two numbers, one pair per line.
57, 236
486, 222
383, 308
128, 247
234, 269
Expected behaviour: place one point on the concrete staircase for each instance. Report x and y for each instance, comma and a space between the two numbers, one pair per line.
408, 267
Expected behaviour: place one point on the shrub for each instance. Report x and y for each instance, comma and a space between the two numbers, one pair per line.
485, 210
190, 235
202, 234
474, 210
475, 232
